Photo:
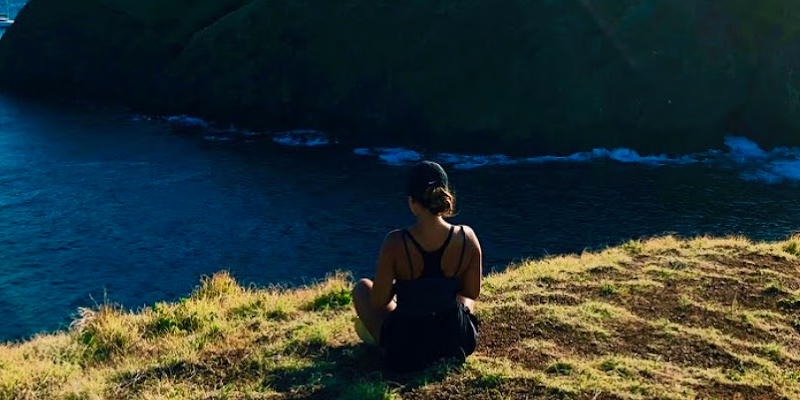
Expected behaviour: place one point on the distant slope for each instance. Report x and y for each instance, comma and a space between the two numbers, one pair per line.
522, 76
659, 319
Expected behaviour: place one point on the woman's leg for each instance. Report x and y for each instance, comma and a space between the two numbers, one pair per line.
468, 302
372, 318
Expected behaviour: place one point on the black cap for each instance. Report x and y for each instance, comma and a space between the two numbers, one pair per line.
424, 175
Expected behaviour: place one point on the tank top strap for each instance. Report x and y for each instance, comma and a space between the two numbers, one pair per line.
419, 247
463, 251
408, 253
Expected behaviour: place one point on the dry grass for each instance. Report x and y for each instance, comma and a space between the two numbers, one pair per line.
663, 318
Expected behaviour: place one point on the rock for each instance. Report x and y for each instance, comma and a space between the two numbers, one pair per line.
536, 76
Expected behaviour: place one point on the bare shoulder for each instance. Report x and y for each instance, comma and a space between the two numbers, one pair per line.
393, 238
471, 236
394, 235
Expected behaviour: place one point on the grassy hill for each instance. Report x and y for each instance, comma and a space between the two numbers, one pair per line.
663, 318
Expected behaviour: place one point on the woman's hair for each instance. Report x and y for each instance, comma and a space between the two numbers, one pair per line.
439, 200
429, 186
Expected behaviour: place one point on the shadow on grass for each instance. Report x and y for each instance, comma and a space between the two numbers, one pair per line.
352, 372
345, 372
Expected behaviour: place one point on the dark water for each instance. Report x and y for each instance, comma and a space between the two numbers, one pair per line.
94, 202
13, 9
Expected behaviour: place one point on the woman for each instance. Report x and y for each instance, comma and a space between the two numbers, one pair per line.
434, 269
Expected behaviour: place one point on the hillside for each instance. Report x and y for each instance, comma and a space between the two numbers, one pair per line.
526, 77
663, 318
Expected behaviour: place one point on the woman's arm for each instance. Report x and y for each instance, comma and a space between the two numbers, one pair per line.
471, 278
384, 274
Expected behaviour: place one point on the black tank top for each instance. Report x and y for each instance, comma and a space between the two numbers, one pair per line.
432, 292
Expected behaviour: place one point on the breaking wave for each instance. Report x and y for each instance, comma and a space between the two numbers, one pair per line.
778, 165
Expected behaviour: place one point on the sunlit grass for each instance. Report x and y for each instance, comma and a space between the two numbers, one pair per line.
574, 326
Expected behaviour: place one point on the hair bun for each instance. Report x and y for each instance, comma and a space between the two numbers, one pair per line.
439, 200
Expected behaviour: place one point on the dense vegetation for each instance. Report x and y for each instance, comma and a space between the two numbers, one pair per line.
526, 76
663, 318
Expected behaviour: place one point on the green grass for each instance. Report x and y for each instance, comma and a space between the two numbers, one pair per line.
552, 328
560, 368
609, 290
792, 247
332, 300
369, 391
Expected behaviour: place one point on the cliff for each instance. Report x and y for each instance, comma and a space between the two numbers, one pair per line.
523, 76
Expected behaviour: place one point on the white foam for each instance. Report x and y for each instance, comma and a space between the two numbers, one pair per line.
743, 150
775, 166
459, 161
302, 138
214, 138
188, 121
778, 165
399, 156
138, 117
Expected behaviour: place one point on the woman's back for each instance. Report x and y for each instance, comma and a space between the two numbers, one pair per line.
446, 245
434, 271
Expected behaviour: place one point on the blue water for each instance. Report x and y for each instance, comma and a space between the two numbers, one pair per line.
96, 202
13, 10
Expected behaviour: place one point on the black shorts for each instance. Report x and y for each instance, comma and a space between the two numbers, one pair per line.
414, 342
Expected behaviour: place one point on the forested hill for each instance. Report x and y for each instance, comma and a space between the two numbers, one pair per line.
529, 77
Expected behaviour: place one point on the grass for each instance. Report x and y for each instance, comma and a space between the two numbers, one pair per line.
660, 318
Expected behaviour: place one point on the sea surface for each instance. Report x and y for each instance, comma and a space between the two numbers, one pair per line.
97, 203
13, 10
100, 204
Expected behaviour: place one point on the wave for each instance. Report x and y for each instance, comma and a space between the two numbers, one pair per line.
774, 166
302, 138
781, 164
292, 138
778, 165
189, 122
403, 156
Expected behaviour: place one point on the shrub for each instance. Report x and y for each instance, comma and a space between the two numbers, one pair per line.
333, 299
792, 247
218, 285
188, 316
104, 332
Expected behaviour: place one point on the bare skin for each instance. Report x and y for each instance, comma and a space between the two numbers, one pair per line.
374, 301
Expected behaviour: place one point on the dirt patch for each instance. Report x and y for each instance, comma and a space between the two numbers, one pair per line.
755, 262
733, 293
501, 338
554, 298
608, 272
718, 390
666, 304
648, 342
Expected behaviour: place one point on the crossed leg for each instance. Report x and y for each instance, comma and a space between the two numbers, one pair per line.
370, 317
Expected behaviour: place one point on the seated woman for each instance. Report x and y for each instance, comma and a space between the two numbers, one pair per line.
435, 271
